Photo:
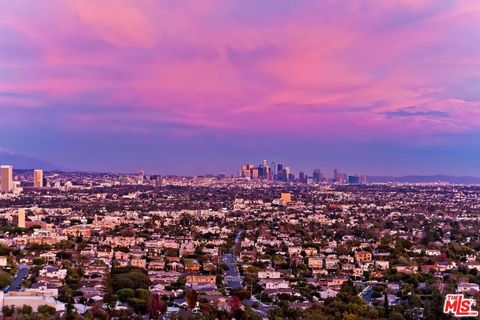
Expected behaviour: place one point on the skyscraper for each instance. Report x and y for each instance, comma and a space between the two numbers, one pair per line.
38, 178
301, 177
317, 176
21, 217
6, 176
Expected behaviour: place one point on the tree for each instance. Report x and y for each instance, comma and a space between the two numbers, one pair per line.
26, 309
386, 305
125, 294
129, 277
39, 261
8, 311
191, 296
5, 279
156, 307
45, 309
397, 316
4, 250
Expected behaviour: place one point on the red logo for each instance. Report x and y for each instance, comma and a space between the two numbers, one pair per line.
459, 306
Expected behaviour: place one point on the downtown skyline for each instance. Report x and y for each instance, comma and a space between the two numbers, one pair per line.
199, 87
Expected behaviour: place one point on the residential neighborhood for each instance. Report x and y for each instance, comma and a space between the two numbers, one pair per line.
113, 246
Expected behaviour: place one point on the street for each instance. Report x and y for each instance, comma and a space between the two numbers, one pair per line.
17, 280
232, 275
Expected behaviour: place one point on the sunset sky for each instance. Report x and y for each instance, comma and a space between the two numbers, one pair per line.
192, 87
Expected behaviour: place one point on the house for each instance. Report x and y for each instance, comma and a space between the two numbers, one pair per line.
45, 289
157, 264
269, 274
432, 252
49, 257
33, 299
315, 262
274, 284
328, 293
311, 251
406, 268
471, 288
139, 263
428, 268
331, 263
382, 265
445, 265
294, 251
53, 272
336, 281
201, 279
211, 251
363, 256
192, 266
473, 265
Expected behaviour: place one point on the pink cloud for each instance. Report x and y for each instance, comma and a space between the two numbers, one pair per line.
325, 68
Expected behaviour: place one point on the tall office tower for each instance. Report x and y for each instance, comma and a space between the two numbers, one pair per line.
301, 177
141, 176
38, 178
353, 180
21, 217
254, 173
266, 173
342, 178
260, 171
265, 163
6, 175
287, 173
291, 177
335, 175
245, 171
316, 175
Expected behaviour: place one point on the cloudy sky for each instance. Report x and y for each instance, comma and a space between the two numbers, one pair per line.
201, 86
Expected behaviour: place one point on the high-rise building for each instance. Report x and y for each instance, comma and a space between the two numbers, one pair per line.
279, 168
318, 176
6, 177
254, 173
21, 218
301, 177
339, 177
38, 178
353, 180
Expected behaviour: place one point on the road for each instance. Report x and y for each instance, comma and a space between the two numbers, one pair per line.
232, 275
17, 280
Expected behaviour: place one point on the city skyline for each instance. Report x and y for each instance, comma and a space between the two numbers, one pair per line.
200, 86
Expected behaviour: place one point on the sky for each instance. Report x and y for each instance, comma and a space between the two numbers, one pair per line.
193, 87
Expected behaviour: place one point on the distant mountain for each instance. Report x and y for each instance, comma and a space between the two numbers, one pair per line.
24, 162
426, 179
